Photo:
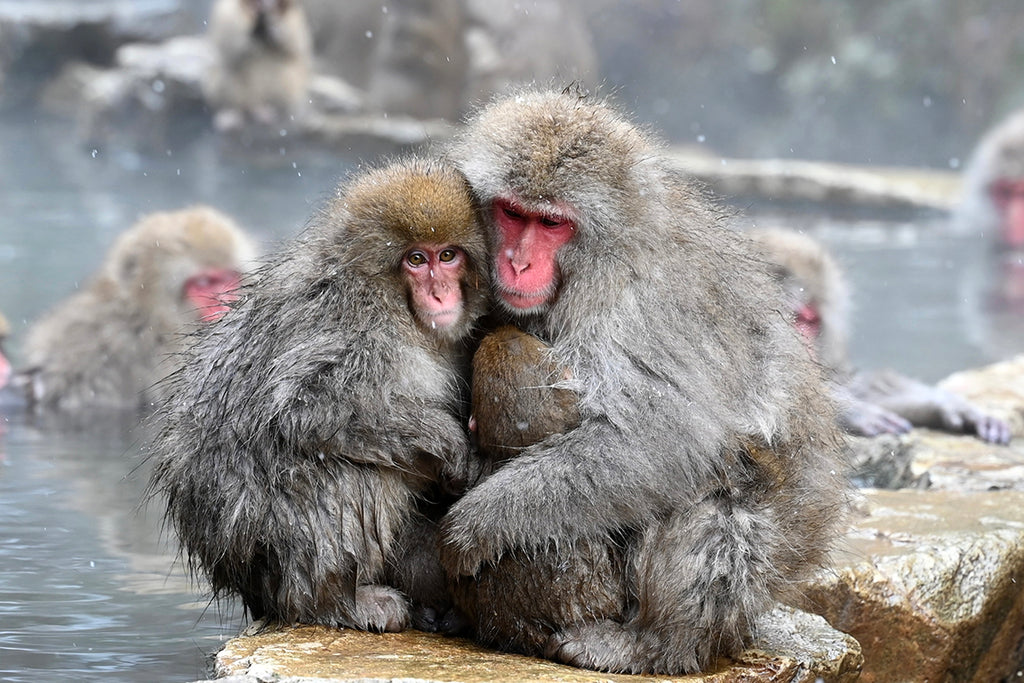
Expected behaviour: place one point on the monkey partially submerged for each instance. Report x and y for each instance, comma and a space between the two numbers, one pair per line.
706, 450
874, 402
306, 428
106, 347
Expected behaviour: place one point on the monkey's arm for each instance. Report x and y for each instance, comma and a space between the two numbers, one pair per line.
924, 405
862, 418
582, 484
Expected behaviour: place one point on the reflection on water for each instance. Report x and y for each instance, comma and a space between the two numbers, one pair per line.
88, 588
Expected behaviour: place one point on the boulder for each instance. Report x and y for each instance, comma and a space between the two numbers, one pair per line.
927, 582
793, 647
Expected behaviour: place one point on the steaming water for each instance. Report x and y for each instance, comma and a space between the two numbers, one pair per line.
89, 589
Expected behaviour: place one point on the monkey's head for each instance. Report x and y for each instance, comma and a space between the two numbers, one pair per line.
551, 170
182, 264
994, 185
815, 291
416, 224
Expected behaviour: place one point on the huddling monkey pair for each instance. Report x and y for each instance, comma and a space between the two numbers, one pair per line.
658, 458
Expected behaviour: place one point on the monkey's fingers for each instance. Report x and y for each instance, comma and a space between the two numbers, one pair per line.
992, 430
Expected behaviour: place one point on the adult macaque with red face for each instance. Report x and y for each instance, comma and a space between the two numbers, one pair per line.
992, 200
307, 430
107, 346
705, 453
870, 403
5, 364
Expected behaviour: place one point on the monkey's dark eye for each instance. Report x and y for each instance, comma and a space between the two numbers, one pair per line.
549, 222
512, 213
416, 258
447, 255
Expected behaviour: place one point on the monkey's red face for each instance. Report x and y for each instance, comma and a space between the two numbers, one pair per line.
525, 261
808, 323
1008, 196
5, 370
434, 277
211, 290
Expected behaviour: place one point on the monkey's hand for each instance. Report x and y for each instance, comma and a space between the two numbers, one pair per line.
463, 548
958, 415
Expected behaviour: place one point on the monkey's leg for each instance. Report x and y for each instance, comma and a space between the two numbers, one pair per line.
703, 577
380, 608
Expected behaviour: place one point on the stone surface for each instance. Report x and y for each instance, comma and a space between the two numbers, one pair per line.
794, 647
794, 181
927, 582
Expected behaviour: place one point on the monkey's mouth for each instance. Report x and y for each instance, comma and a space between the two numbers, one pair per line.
440, 320
524, 301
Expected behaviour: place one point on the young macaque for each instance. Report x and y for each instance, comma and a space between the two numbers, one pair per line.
517, 403
107, 346
309, 428
705, 471
870, 403
264, 57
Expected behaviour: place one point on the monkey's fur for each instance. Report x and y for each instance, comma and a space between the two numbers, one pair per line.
306, 427
106, 346
707, 451
517, 403
874, 402
264, 58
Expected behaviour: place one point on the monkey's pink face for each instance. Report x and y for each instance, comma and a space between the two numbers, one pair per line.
1008, 196
211, 290
808, 323
434, 276
5, 370
528, 242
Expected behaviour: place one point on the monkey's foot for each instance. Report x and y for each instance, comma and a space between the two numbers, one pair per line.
600, 645
380, 608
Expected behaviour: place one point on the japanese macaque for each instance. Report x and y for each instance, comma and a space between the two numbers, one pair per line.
706, 455
992, 200
517, 402
5, 364
263, 51
870, 403
107, 346
306, 428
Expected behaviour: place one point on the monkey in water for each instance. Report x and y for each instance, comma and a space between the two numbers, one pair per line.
263, 61
5, 364
518, 402
706, 451
309, 426
105, 348
870, 403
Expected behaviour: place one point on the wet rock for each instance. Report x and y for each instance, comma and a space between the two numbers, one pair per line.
38, 37
154, 89
835, 185
794, 647
927, 582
